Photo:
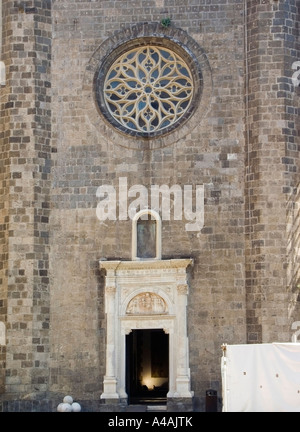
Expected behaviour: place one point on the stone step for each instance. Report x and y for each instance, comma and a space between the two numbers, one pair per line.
136, 408
151, 408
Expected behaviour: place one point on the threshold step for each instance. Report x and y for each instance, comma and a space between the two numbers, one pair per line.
136, 408
156, 408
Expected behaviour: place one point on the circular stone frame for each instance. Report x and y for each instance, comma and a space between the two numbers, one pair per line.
141, 45
146, 34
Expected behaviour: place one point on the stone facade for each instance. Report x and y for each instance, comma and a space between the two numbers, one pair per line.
241, 143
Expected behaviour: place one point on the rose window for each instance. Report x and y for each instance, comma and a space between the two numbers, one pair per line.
147, 90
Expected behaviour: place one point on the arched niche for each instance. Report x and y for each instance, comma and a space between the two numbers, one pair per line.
146, 235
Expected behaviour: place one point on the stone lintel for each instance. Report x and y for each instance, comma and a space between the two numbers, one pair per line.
117, 265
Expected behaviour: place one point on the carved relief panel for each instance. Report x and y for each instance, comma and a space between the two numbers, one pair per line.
146, 304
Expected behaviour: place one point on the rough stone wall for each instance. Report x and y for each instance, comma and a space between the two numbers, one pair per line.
242, 284
4, 235
211, 154
272, 161
25, 169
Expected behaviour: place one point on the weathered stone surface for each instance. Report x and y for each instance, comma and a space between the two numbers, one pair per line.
56, 150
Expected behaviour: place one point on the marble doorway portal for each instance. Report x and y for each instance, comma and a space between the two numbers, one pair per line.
146, 294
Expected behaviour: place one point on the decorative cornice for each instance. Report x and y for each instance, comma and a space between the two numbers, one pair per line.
109, 265
178, 263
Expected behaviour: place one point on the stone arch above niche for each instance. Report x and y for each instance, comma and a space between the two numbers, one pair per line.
146, 303
150, 233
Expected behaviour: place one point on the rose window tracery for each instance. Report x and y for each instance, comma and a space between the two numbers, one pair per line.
148, 89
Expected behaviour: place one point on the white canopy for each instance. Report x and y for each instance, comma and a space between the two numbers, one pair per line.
261, 377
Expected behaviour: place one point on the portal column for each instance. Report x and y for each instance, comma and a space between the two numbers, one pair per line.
111, 307
183, 372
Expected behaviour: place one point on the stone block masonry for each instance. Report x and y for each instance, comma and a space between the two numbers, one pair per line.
272, 140
57, 149
25, 182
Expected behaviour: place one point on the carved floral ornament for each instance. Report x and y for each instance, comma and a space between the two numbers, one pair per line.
148, 89
150, 83
182, 289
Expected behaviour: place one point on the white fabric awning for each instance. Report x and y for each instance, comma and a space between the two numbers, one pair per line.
261, 377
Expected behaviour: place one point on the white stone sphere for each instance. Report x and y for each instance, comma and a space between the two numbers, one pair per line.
59, 407
76, 407
66, 407
68, 399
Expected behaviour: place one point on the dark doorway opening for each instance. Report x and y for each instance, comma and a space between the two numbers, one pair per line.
147, 366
